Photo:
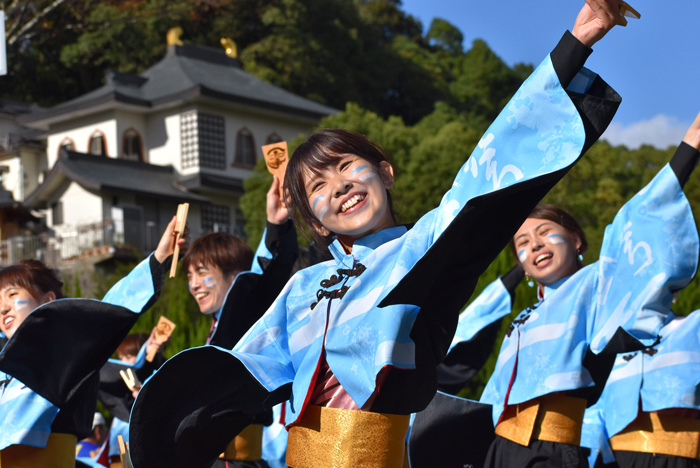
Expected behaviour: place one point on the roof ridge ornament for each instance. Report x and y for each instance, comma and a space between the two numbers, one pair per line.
174, 36
230, 47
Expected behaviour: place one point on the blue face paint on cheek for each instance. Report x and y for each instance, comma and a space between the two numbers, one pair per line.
318, 199
357, 170
19, 305
209, 282
522, 256
556, 239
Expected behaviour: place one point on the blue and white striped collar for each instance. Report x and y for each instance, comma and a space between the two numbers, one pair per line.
364, 246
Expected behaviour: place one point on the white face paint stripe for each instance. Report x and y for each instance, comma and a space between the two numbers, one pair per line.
19, 305
556, 239
209, 282
522, 256
369, 175
323, 212
318, 199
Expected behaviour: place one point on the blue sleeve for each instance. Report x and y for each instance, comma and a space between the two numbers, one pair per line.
138, 290
649, 251
492, 304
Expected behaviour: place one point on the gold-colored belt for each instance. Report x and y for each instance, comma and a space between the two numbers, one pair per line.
115, 464
552, 417
58, 453
335, 438
660, 433
247, 446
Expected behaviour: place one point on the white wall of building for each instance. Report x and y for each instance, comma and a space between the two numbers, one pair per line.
80, 207
163, 138
80, 131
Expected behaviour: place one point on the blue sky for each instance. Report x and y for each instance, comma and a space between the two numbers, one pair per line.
654, 63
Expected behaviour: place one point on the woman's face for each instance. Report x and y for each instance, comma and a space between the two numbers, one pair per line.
350, 199
547, 250
16, 304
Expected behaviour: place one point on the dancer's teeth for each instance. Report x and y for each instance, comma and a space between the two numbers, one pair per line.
352, 202
542, 258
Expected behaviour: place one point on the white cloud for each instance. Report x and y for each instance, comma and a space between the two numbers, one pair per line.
661, 131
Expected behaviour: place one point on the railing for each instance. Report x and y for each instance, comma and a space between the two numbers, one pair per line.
67, 244
90, 240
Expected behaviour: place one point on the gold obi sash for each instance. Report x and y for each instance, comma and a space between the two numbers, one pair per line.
660, 433
115, 465
247, 446
552, 417
58, 453
336, 438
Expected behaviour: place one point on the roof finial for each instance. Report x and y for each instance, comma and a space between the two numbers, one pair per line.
174, 36
230, 47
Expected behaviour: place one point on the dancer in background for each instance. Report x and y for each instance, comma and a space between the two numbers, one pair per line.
49, 369
235, 287
438, 434
557, 354
113, 392
354, 342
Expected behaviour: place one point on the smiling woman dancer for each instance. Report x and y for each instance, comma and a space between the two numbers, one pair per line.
550, 367
353, 342
49, 369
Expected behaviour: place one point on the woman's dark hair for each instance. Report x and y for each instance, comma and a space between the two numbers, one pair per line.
561, 217
222, 250
319, 152
132, 344
33, 276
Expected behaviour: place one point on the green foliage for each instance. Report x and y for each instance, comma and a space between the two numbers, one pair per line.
332, 51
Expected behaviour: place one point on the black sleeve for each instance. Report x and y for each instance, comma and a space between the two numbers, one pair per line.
467, 358
511, 280
569, 57
63, 343
684, 161
190, 427
252, 294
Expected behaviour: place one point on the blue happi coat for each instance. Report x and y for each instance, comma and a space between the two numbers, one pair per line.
359, 337
26, 415
391, 302
649, 251
661, 377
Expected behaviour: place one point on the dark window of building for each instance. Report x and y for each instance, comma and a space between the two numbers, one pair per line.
67, 144
216, 218
245, 149
273, 138
203, 140
131, 145
97, 144
57, 213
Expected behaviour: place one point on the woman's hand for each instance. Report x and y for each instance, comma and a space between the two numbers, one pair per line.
276, 210
595, 19
692, 137
166, 246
